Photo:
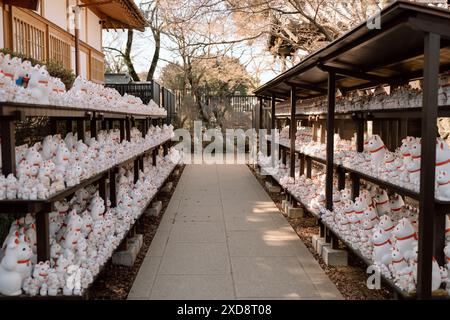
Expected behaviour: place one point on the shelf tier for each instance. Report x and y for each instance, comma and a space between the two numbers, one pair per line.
12, 109
388, 113
443, 204
33, 206
388, 282
85, 294
316, 214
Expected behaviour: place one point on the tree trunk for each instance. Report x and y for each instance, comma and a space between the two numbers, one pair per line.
127, 57
151, 71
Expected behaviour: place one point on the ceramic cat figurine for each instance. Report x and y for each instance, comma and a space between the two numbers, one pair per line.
405, 236
377, 149
382, 247
398, 263
15, 266
39, 85
442, 156
382, 202
386, 224
405, 149
443, 185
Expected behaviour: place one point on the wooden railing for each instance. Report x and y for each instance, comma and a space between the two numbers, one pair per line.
59, 48
39, 38
29, 35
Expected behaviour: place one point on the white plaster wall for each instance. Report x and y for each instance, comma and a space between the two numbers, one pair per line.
71, 21
83, 65
83, 24
56, 12
94, 31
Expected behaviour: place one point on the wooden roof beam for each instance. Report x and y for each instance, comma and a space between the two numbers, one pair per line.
430, 26
95, 3
306, 86
357, 74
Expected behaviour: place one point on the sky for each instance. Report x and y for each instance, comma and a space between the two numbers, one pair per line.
254, 57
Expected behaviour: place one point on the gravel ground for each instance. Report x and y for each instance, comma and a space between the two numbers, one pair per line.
350, 280
115, 282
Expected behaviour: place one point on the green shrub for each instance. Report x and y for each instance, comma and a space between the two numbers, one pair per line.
55, 68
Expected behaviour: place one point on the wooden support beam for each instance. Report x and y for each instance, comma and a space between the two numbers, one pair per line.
128, 129
102, 189
136, 170
293, 130
69, 125
122, 129
260, 112
330, 139
273, 117
81, 129
93, 127
8, 139
112, 188
53, 126
357, 74
307, 86
42, 236
154, 154
427, 216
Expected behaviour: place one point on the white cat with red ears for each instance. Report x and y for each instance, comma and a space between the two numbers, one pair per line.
386, 224
377, 149
442, 157
398, 263
405, 237
382, 202
15, 266
39, 85
405, 149
382, 247
443, 185
397, 207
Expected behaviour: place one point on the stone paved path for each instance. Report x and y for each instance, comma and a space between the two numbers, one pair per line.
222, 237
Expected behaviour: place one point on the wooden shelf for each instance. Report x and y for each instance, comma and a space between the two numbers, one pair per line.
382, 183
388, 113
387, 281
85, 293
13, 109
33, 206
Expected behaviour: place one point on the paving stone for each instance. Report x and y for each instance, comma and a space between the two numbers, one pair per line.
193, 287
222, 237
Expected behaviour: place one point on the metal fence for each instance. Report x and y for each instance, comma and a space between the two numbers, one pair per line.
147, 91
168, 103
144, 90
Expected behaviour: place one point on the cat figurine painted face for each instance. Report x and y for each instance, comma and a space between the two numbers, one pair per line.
39, 85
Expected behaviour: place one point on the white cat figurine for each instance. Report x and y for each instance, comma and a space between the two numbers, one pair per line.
377, 149
15, 266
382, 247
39, 85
